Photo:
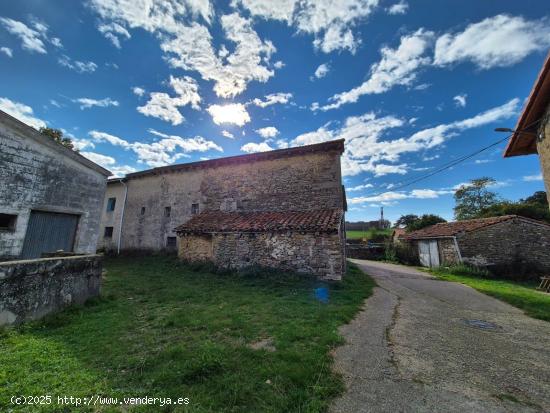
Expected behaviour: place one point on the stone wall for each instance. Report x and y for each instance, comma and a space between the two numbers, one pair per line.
30, 289
309, 253
506, 242
37, 173
543, 148
304, 182
447, 251
111, 218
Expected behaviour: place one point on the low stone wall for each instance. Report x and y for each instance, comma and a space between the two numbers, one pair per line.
313, 253
30, 289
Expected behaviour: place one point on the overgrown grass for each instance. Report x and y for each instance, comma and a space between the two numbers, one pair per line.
369, 234
521, 295
163, 330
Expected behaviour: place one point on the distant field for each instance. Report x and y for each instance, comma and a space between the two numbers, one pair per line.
367, 234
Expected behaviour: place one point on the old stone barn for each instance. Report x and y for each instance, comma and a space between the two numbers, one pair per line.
489, 242
282, 208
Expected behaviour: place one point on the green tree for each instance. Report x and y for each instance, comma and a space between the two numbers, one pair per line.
538, 198
57, 135
534, 206
405, 220
424, 221
473, 198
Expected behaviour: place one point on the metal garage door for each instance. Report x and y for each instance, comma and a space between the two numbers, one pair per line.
49, 232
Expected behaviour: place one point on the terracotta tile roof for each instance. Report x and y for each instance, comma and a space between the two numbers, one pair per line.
449, 229
324, 220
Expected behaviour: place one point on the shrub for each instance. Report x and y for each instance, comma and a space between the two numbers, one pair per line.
468, 270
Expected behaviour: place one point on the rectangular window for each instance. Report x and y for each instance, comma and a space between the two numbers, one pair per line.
171, 242
142, 210
111, 202
108, 232
7, 222
194, 209
167, 211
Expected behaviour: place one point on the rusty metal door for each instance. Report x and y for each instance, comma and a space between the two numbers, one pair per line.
49, 232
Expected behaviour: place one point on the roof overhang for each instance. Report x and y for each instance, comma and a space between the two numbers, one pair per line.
524, 140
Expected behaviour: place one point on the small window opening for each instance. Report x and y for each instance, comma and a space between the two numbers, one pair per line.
167, 211
108, 232
111, 202
142, 210
171, 242
194, 209
7, 222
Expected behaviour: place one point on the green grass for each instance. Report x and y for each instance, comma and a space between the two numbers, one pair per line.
371, 233
521, 295
162, 330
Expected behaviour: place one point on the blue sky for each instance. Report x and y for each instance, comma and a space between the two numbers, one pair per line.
410, 86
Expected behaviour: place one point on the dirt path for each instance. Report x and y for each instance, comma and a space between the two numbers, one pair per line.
424, 345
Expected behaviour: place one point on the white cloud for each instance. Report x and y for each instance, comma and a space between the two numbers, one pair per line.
399, 8
253, 147
460, 100
86, 103
501, 40
103, 160
228, 134
359, 187
165, 151
119, 171
56, 41
7, 51
322, 71
401, 195
269, 9
138, 91
76, 65
278, 64
272, 99
113, 32
482, 161
81, 144
268, 132
397, 67
234, 113
282, 144
31, 39
22, 112
165, 107
532, 178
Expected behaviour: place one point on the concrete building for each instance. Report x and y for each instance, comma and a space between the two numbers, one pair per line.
51, 196
532, 132
488, 242
306, 179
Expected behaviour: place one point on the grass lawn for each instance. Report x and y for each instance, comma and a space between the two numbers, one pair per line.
162, 330
522, 295
367, 234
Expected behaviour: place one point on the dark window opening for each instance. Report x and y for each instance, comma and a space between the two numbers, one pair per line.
167, 211
7, 222
194, 209
111, 202
108, 232
142, 210
171, 242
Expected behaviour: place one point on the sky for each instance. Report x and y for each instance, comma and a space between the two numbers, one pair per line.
139, 84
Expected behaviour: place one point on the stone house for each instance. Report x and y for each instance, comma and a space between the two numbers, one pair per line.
532, 132
286, 181
51, 196
485, 242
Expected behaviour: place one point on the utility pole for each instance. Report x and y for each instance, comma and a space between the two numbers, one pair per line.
381, 217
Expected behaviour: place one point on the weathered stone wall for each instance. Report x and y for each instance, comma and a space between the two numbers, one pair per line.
309, 181
41, 175
309, 253
447, 251
506, 242
196, 247
543, 148
111, 218
30, 289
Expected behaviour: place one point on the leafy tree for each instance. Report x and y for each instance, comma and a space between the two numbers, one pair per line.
405, 220
57, 135
534, 206
474, 197
424, 221
538, 198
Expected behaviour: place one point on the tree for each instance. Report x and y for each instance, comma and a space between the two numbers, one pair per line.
473, 198
405, 220
534, 206
57, 135
538, 198
424, 221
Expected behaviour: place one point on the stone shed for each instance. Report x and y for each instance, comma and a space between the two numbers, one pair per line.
495, 241
50, 196
301, 241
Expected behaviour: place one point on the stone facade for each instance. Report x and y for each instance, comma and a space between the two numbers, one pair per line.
39, 174
31, 289
308, 253
543, 148
111, 219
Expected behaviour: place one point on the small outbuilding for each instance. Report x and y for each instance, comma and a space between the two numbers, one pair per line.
495, 241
